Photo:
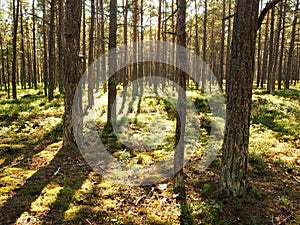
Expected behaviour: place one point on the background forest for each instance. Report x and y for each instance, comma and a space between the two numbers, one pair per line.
46, 47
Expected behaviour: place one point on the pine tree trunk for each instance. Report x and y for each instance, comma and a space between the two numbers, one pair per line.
34, 48
291, 50
72, 69
280, 66
240, 82
178, 182
91, 78
45, 62
60, 43
204, 46
15, 34
112, 91
271, 74
51, 49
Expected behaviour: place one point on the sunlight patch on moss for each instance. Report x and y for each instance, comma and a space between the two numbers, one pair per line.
47, 197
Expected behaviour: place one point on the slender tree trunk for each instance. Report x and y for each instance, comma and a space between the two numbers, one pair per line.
197, 47
240, 82
259, 54
265, 59
157, 64
8, 73
271, 74
112, 91
141, 65
102, 32
72, 70
84, 64
91, 73
45, 62
51, 49
34, 48
204, 46
228, 43
221, 71
23, 60
135, 39
60, 46
3, 63
125, 37
16, 9
178, 180
280, 66
291, 50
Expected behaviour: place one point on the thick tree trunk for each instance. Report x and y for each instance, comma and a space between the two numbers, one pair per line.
72, 68
240, 82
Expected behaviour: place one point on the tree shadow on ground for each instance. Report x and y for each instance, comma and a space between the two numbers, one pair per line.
74, 170
272, 198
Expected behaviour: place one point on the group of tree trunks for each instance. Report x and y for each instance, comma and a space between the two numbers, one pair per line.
237, 63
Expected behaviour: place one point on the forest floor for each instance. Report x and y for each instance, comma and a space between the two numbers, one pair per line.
42, 183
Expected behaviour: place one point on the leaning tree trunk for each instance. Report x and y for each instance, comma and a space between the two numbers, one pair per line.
239, 86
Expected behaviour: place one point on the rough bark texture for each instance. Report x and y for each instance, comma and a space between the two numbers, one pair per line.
72, 69
239, 84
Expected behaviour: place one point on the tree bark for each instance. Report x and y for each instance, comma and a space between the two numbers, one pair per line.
61, 45
112, 91
240, 81
72, 69
91, 78
51, 49
45, 62
15, 35
291, 50
35, 83
271, 74
204, 46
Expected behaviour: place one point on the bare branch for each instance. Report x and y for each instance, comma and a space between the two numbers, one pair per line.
264, 12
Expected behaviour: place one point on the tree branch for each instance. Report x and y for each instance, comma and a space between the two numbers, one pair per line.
264, 12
